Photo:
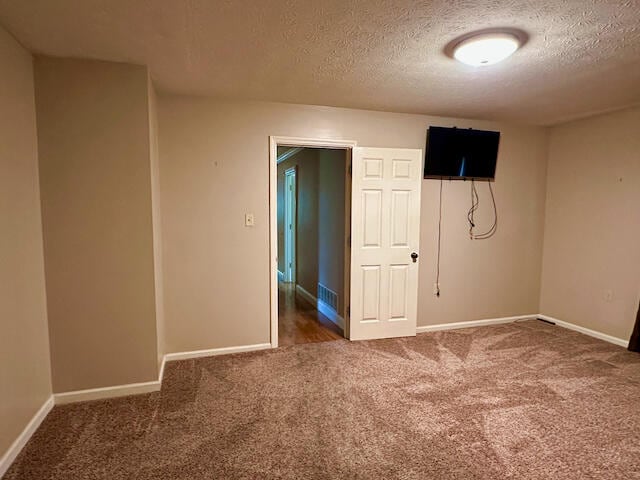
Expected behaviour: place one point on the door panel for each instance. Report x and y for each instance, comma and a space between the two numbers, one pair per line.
400, 203
398, 292
385, 232
371, 218
370, 293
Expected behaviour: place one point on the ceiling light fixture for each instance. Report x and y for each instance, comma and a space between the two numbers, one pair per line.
486, 48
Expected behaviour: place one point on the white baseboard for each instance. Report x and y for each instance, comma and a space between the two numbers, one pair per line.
586, 331
145, 387
472, 323
152, 386
494, 321
106, 392
161, 372
330, 313
170, 357
16, 447
322, 307
280, 276
306, 295
110, 392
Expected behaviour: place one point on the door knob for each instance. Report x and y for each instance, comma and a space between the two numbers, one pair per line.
414, 257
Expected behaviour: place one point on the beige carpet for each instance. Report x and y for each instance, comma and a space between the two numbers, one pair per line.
516, 401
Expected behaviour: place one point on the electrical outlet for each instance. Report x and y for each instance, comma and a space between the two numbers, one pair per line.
249, 220
436, 288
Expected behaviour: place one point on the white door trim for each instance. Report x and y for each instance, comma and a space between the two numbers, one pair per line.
288, 154
290, 223
274, 141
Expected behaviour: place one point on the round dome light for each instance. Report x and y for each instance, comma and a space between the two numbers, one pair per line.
486, 49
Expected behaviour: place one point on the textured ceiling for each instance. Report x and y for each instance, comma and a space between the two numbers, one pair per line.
583, 56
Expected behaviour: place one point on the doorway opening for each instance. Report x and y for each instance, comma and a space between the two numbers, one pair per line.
313, 226
379, 295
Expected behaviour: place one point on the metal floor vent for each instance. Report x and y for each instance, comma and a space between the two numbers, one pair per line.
328, 297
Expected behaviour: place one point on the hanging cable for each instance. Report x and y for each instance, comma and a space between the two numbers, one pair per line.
475, 203
489, 233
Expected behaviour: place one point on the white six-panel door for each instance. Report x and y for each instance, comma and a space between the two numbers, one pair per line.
385, 232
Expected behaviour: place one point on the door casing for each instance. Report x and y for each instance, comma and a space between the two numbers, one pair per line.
290, 235
274, 143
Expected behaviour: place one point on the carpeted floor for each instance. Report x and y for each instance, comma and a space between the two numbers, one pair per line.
516, 401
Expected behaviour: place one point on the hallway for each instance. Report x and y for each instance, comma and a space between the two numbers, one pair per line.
299, 321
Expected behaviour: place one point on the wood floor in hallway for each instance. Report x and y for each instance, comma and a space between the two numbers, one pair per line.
300, 322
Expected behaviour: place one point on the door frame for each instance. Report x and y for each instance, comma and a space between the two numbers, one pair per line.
291, 234
274, 142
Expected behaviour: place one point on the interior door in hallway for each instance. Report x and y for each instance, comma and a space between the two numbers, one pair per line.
385, 234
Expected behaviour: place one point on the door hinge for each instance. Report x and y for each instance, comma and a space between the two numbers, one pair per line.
350, 169
348, 310
349, 240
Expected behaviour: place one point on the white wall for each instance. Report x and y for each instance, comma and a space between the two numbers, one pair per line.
214, 168
591, 268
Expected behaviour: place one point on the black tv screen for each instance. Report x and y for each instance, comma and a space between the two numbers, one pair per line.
461, 153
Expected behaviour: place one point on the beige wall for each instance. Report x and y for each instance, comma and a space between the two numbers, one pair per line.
592, 227
214, 168
331, 231
25, 382
95, 180
157, 223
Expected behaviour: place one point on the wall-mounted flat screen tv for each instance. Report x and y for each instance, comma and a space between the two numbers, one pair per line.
458, 153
